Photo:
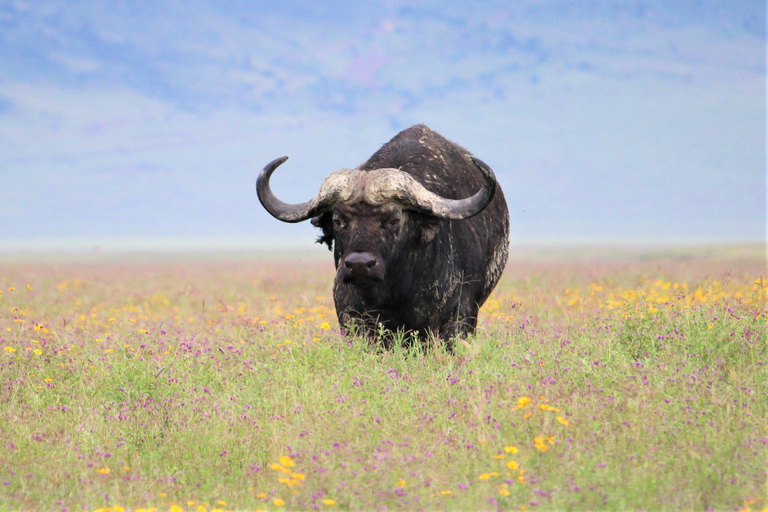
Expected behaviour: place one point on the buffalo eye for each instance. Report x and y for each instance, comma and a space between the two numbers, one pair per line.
391, 223
338, 223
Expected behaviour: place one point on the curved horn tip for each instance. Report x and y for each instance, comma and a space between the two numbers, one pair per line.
278, 161
268, 169
480, 163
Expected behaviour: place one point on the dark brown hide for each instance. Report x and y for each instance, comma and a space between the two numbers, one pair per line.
432, 275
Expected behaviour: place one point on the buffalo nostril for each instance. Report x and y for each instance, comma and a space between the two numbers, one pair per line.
359, 262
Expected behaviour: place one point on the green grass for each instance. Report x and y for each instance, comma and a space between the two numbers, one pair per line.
189, 382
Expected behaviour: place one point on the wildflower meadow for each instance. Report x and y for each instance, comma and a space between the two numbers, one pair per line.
606, 382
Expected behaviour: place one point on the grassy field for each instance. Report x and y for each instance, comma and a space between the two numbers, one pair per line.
617, 383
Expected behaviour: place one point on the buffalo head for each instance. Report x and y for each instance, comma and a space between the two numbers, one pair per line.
368, 214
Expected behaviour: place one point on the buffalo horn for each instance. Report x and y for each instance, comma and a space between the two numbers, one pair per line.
338, 186
393, 184
377, 186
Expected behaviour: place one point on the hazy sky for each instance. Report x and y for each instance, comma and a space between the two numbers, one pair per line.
604, 121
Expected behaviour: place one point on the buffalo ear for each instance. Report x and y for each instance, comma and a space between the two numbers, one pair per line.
428, 228
325, 222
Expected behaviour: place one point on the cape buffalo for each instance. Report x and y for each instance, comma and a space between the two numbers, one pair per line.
419, 233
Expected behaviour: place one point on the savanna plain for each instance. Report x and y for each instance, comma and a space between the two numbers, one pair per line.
611, 381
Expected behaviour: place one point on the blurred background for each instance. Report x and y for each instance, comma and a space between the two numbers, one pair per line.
143, 125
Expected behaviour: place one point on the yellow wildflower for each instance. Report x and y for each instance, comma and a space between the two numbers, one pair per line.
512, 464
278, 502
286, 460
511, 449
562, 420
522, 402
278, 467
329, 502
